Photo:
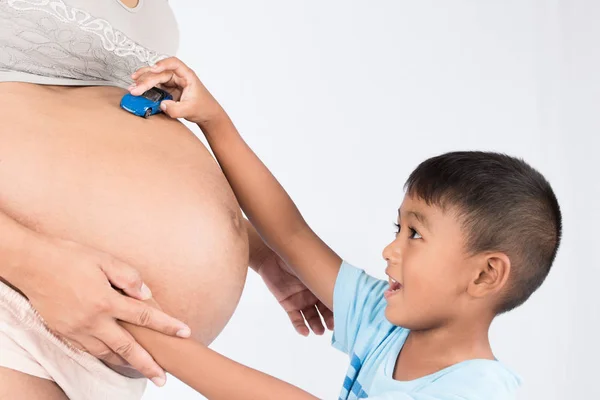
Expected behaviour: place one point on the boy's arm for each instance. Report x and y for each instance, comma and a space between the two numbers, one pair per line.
211, 374
271, 211
217, 377
264, 201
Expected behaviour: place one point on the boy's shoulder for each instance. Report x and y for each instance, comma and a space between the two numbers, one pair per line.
473, 379
468, 380
371, 373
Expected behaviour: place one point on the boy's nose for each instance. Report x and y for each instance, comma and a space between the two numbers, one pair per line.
392, 252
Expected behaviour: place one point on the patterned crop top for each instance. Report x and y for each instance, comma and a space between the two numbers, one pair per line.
83, 42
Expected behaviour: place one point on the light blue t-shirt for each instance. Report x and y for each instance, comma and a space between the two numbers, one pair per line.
373, 344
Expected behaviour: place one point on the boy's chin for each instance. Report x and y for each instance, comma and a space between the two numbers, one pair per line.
395, 316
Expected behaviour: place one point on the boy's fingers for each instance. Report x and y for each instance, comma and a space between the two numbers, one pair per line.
175, 65
123, 344
177, 109
140, 72
298, 322
149, 80
154, 68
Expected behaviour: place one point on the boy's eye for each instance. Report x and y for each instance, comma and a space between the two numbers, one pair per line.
413, 233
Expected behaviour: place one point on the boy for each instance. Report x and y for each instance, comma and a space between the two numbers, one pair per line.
477, 234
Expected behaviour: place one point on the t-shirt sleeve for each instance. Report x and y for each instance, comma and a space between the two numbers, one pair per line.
358, 304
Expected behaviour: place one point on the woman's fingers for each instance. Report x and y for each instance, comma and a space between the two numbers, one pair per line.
126, 278
314, 320
98, 349
304, 308
327, 315
139, 313
298, 322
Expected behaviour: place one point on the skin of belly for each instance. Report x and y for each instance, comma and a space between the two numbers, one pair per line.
73, 164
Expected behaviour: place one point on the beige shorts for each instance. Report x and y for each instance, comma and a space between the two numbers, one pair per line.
27, 346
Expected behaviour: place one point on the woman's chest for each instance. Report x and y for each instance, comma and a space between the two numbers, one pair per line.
86, 40
149, 23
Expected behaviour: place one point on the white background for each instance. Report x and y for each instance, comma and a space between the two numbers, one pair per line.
342, 99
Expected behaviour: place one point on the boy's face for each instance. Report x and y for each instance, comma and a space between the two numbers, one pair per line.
428, 268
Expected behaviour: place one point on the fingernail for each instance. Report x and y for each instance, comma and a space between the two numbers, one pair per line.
184, 332
145, 292
159, 381
163, 106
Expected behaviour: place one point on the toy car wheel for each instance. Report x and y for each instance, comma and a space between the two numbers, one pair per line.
148, 112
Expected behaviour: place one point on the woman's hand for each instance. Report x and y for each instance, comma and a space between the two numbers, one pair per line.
301, 305
71, 286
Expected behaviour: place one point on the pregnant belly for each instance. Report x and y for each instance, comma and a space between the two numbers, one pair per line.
75, 165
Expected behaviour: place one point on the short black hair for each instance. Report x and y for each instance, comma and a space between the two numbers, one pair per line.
504, 205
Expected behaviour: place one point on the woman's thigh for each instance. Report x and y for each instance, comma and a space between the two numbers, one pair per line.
17, 385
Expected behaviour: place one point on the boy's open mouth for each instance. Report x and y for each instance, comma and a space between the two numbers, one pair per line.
395, 287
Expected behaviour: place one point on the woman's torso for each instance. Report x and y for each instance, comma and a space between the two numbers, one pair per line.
75, 165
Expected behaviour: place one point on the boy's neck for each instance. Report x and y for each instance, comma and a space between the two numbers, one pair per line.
428, 351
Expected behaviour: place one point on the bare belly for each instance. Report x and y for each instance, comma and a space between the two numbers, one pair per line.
75, 165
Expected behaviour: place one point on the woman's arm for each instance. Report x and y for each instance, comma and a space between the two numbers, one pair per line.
257, 247
210, 373
58, 275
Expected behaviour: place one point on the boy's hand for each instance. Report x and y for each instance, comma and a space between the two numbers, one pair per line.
301, 305
191, 99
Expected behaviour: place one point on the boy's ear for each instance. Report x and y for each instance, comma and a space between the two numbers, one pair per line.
490, 275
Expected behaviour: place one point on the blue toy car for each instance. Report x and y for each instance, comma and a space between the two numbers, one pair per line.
147, 104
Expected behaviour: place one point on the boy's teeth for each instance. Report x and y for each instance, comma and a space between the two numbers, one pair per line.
394, 285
